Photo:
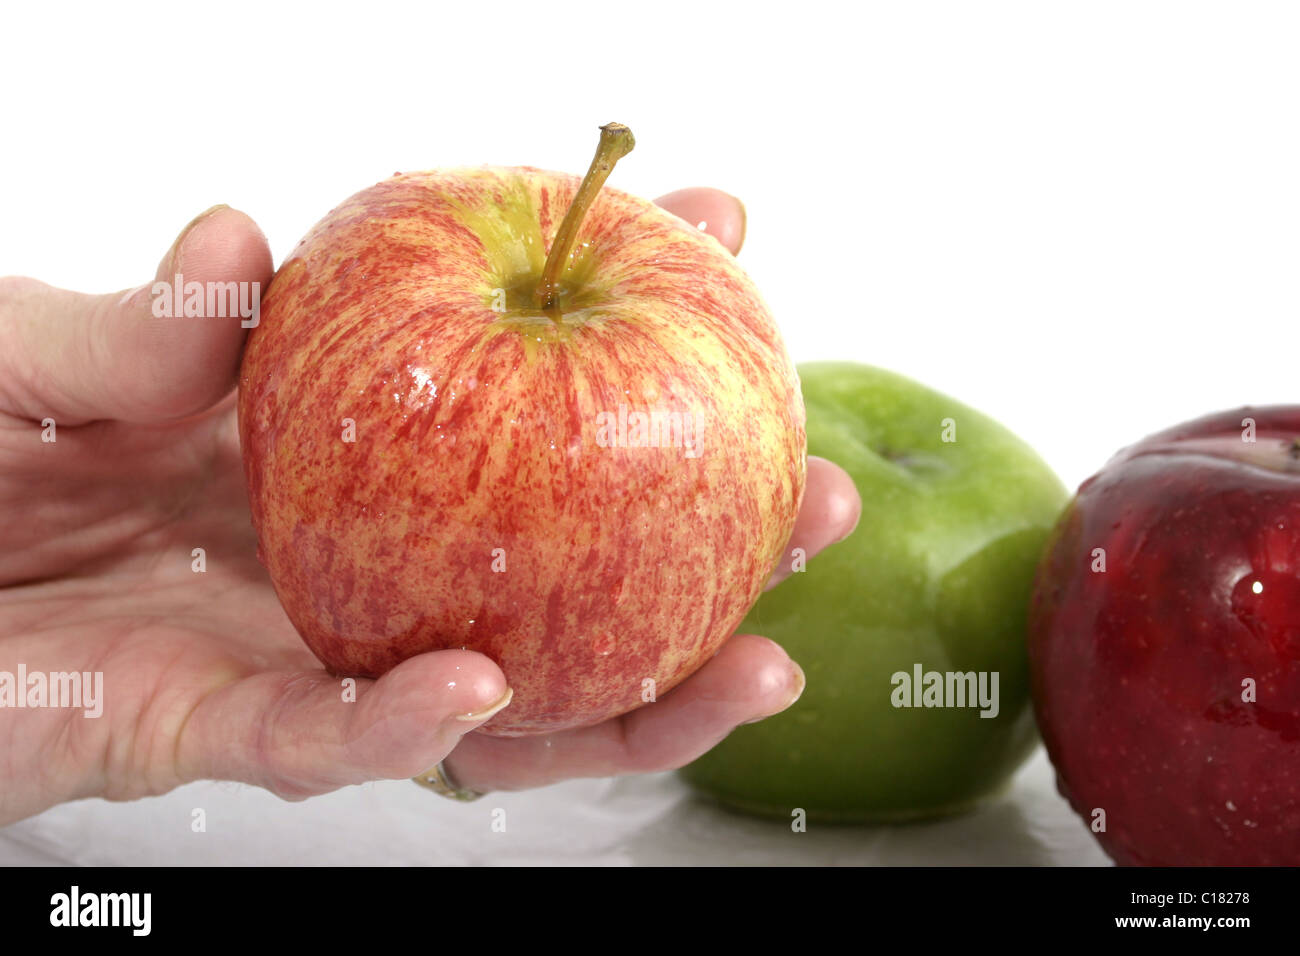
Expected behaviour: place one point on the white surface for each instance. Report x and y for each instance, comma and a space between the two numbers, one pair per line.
651, 820
1080, 218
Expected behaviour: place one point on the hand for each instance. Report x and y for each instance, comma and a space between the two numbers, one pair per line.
203, 675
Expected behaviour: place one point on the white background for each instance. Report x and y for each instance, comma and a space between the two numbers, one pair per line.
1083, 219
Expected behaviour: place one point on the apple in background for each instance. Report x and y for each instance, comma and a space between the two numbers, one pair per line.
571, 441
1167, 679
937, 575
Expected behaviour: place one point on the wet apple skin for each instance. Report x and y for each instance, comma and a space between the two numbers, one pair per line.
475, 507
1138, 671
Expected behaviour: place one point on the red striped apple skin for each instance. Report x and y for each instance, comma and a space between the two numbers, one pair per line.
480, 503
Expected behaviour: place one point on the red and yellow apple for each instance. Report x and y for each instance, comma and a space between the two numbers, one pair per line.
574, 443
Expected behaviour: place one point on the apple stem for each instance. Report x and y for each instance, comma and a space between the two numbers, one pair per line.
615, 142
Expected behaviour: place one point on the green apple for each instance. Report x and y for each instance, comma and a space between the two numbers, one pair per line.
912, 630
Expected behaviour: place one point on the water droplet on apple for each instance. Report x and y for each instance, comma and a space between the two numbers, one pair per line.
1268, 603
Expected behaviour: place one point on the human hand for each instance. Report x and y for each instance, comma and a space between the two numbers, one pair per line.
203, 674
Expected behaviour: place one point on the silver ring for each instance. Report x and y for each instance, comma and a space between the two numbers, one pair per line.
440, 782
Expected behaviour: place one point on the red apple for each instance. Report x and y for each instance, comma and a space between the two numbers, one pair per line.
457, 418
1165, 645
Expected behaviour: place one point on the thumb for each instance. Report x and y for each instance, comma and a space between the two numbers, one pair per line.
137, 356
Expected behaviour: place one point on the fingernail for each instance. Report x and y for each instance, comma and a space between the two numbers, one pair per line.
205, 214
173, 254
499, 705
799, 682
744, 220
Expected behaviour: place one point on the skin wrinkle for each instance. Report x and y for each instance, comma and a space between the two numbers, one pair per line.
99, 354
203, 465
128, 542
100, 662
34, 304
198, 702
135, 543
95, 566
64, 740
267, 746
264, 744
153, 715
121, 635
353, 735
354, 746
65, 617
52, 620
47, 769
7, 803
16, 297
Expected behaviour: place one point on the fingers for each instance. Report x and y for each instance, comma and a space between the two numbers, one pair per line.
720, 215
749, 678
137, 356
830, 513
299, 735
